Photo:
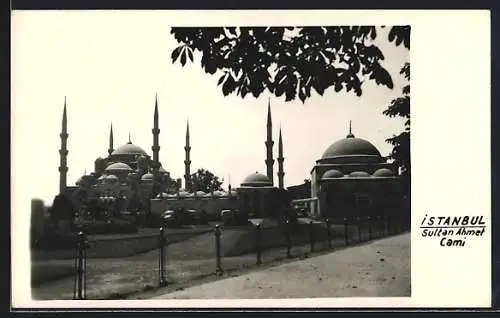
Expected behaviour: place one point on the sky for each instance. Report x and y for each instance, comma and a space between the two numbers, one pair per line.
110, 66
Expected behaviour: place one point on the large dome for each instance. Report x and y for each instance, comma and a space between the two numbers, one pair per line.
256, 179
350, 146
129, 149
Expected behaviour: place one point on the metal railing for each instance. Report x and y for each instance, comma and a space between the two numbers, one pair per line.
285, 241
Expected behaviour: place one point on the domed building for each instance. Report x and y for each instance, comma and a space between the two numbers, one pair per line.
128, 171
256, 193
353, 179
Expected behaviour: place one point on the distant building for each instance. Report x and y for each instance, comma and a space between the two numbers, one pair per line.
127, 172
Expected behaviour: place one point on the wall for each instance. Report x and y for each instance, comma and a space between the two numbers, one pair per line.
337, 196
210, 205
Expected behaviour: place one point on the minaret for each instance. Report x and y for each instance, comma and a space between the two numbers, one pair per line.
63, 152
187, 161
110, 150
350, 135
156, 133
269, 145
281, 173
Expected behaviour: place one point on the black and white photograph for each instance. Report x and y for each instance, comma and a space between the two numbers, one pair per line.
156, 160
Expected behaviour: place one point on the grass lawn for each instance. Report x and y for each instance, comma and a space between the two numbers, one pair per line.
133, 266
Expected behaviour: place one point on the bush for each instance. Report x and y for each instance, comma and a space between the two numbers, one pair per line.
113, 226
53, 239
203, 217
234, 217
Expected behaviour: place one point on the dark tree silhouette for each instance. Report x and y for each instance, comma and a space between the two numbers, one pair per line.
204, 180
292, 61
288, 61
62, 209
400, 107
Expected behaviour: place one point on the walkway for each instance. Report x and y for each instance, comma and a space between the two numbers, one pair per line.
376, 269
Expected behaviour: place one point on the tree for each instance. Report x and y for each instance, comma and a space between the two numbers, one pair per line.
401, 107
285, 60
204, 180
62, 209
292, 61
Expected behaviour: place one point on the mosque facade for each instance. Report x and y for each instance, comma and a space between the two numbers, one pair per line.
352, 178
127, 174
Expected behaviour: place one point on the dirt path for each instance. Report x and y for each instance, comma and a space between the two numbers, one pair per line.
377, 269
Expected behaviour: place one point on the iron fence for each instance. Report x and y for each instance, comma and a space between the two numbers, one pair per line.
173, 258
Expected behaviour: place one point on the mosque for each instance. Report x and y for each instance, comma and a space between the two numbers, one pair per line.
351, 178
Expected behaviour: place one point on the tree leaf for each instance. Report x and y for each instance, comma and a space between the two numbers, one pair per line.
190, 52
176, 52
229, 85
183, 56
221, 79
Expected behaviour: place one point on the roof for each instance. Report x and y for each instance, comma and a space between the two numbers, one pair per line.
350, 146
118, 166
383, 172
256, 180
147, 176
359, 174
129, 149
333, 173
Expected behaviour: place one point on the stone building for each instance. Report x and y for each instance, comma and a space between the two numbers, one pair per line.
353, 179
127, 172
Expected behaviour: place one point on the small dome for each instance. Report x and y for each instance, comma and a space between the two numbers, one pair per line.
129, 149
383, 172
256, 179
161, 170
111, 178
147, 177
333, 173
183, 194
200, 193
359, 174
118, 166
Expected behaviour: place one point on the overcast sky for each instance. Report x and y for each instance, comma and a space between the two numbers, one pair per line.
110, 66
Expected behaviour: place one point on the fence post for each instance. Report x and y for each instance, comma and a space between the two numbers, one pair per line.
328, 233
389, 231
358, 223
346, 234
311, 235
79, 291
395, 225
369, 228
218, 269
258, 238
379, 227
161, 260
288, 240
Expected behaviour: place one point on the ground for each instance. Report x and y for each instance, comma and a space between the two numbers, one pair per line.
376, 269
132, 271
